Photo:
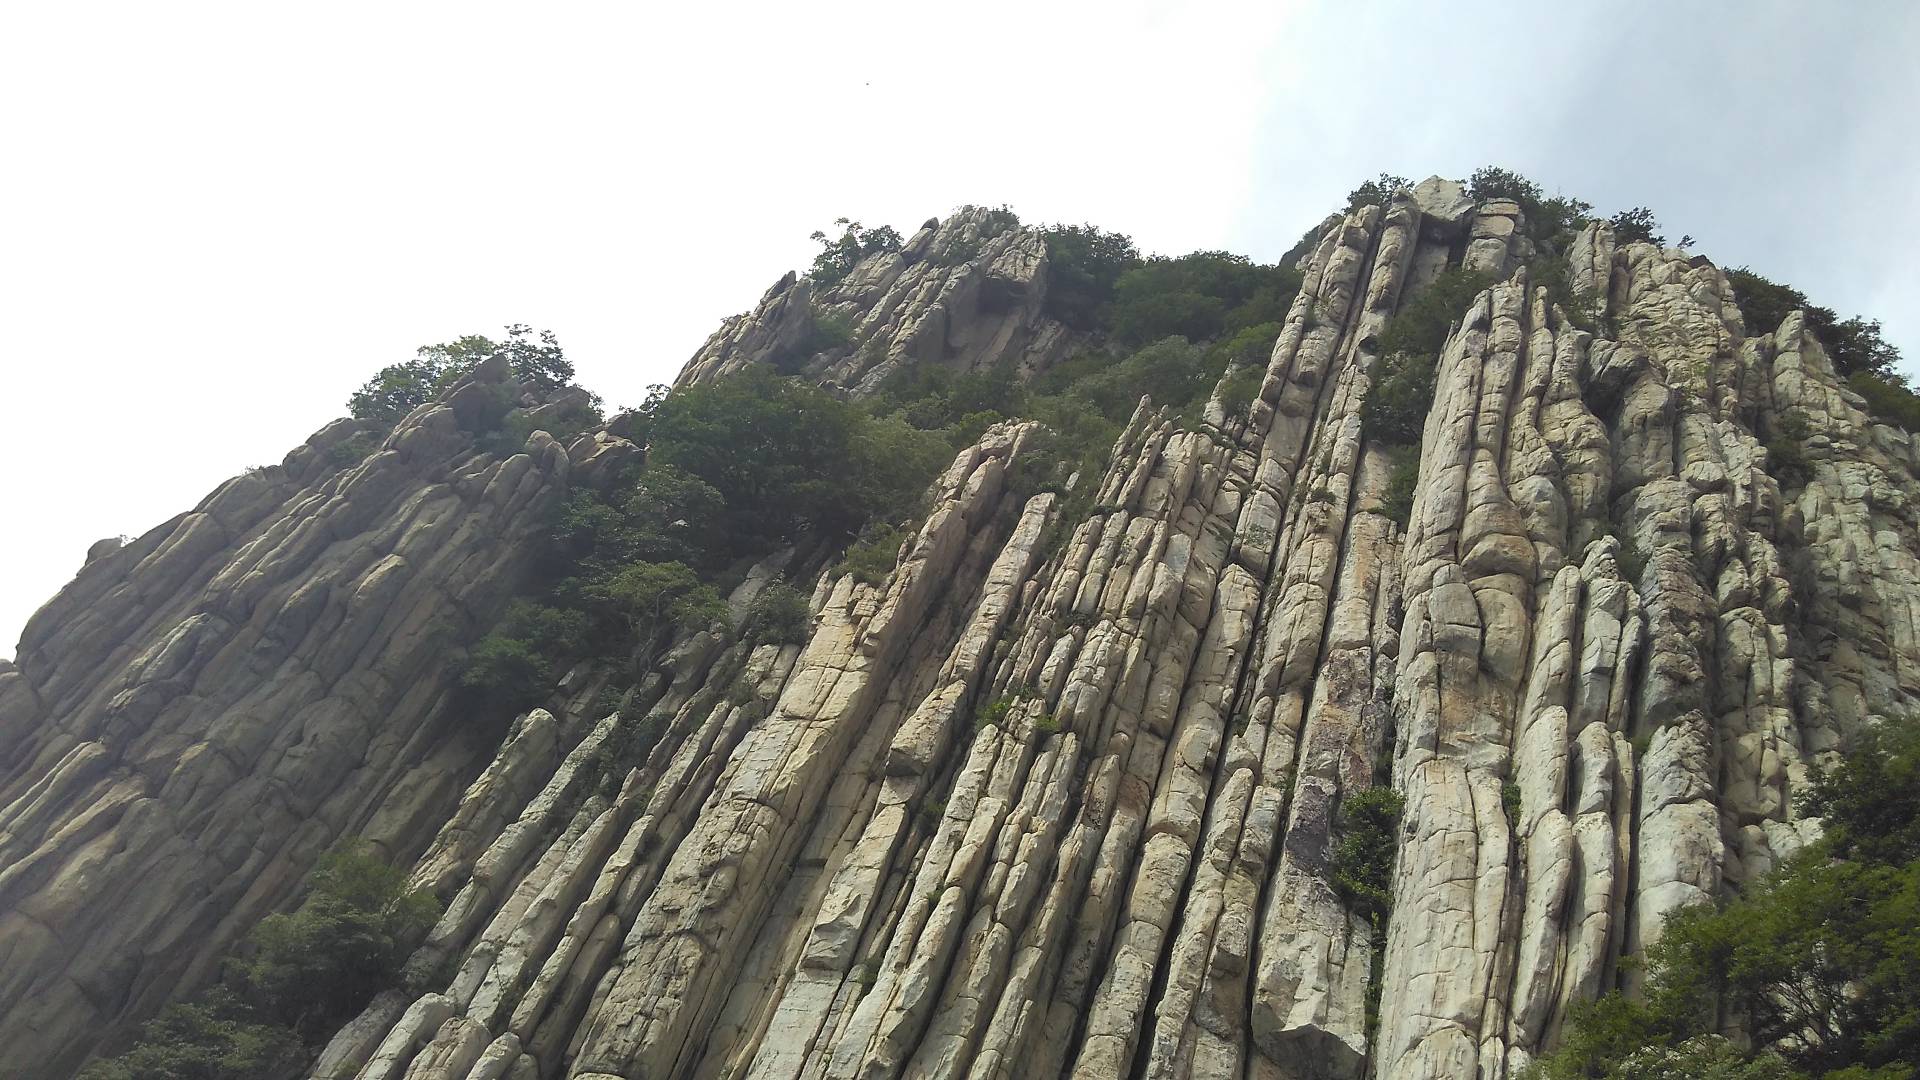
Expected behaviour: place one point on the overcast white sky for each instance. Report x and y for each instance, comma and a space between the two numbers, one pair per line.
217, 219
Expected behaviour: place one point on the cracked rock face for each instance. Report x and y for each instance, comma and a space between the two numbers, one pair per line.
1596, 659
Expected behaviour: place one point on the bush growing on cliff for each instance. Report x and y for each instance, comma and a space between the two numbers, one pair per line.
1377, 190
315, 967
1854, 344
1636, 224
398, 389
218, 1037
1551, 220
1084, 264
779, 614
299, 976
1819, 964
1368, 837
838, 254
1403, 479
1199, 297
1395, 411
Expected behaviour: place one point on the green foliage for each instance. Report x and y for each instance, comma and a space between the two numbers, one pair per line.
301, 974
648, 596
1636, 224
1422, 324
1631, 561
1493, 182
1395, 411
353, 451
1510, 803
1046, 724
315, 967
779, 614
1377, 190
1368, 835
216, 1038
1820, 963
1403, 480
1199, 297
1870, 800
873, 554
1551, 220
1084, 265
507, 672
1239, 388
1888, 399
837, 255
627, 744
1787, 459
1854, 344
995, 711
786, 459
398, 389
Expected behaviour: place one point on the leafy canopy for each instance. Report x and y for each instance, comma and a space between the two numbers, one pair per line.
398, 389
1820, 963
838, 254
300, 975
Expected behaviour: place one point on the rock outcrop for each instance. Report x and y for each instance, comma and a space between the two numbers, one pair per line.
1596, 658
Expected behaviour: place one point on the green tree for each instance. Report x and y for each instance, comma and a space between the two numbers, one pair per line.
1854, 344
218, 1037
1368, 837
1636, 224
396, 390
838, 254
299, 976
315, 967
1395, 410
1083, 266
1819, 963
1377, 190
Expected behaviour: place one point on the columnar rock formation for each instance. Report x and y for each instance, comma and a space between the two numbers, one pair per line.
1596, 660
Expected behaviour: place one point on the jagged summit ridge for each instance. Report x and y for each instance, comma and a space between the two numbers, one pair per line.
1032, 807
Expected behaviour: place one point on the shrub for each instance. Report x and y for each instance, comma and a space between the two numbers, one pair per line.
1377, 190
1888, 400
218, 1037
996, 710
1854, 344
1238, 390
315, 967
838, 255
627, 744
1636, 224
398, 389
1368, 836
1403, 479
1395, 411
1046, 724
1510, 803
354, 450
1199, 297
779, 614
1084, 264
1787, 459
647, 596
1819, 961
1551, 220
507, 672
873, 554
1492, 182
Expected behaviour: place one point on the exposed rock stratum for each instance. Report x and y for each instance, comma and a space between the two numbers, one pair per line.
843, 875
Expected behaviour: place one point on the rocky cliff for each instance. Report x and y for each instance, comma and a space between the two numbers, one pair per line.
1058, 797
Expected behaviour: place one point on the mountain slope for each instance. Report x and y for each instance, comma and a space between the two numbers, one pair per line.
1071, 790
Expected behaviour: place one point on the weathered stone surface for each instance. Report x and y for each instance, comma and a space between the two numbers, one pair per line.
1597, 659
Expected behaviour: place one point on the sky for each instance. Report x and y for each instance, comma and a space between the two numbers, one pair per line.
216, 220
